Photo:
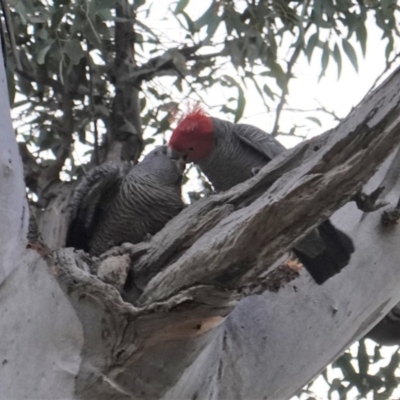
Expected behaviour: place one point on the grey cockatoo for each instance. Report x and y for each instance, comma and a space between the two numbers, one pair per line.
230, 153
110, 207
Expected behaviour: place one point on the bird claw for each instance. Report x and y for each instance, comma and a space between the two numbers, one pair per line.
369, 202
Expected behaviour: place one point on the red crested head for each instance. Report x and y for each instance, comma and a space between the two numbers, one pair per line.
194, 135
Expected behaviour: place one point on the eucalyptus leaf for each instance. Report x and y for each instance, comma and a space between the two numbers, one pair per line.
241, 104
74, 50
312, 42
205, 18
362, 36
180, 6
337, 56
351, 53
325, 59
40, 58
315, 120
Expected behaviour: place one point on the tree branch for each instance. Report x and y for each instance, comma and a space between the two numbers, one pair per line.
160, 64
291, 63
124, 139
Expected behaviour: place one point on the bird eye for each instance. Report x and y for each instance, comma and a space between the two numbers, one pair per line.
190, 149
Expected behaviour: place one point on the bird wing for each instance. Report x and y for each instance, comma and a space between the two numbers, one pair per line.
89, 201
262, 142
325, 251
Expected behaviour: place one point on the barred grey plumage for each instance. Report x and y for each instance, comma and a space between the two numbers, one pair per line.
233, 152
238, 150
110, 207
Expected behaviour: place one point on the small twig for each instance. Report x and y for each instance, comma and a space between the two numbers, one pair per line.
161, 63
389, 64
369, 202
90, 22
331, 113
291, 64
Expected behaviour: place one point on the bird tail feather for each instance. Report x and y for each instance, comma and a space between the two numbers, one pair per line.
333, 255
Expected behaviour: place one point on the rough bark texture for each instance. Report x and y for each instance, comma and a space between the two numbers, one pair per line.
185, 335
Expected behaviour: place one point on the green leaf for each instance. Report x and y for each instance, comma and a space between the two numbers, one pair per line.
312, 42
315, 120
212, 25
236, 54
105, 15
43, 34
279, 75
45, 139
179, 61
91, 35
25, 86
21, 10
389, 48
41, 56
103, 5
10, 84
74, 51
338, 59
362, 35
38, 19
241, 103
138, 3
190, 23
350, 52
362, 358
180, 6
147, 29
205, 18
268, 91
325, 59
261, 93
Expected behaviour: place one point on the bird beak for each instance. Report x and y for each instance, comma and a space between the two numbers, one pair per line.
173, 154
178, 157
